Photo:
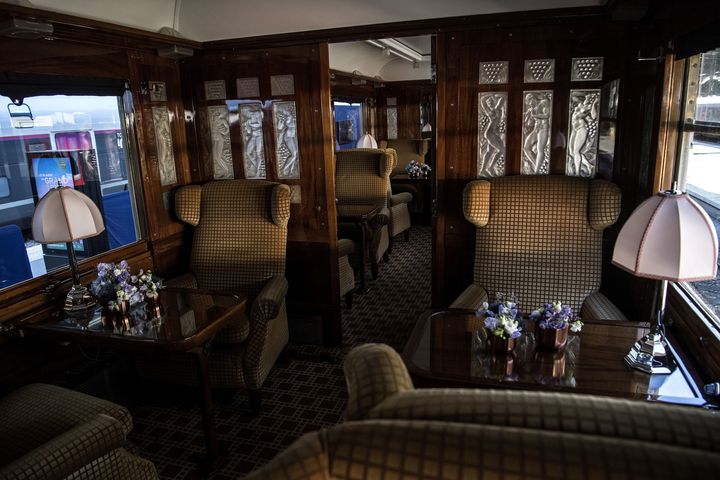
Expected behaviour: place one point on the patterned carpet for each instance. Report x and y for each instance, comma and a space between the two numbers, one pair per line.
304, 392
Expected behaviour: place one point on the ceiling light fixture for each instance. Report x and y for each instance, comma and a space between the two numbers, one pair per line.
391, 46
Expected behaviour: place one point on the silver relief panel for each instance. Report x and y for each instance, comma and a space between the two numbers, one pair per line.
537, 123
583, 133
220, 141
540, 70
251, 124
286, 144
492, 127
392, 128
493, 72
164, 144
586, 69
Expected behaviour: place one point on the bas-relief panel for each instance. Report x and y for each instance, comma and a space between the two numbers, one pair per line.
537, 123
586, 69
286, 145
583, 133
492, 127
251, 124
540, 70
494, 72
164, 144
220, 141
392, 128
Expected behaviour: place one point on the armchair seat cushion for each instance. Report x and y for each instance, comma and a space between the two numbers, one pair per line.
399, 198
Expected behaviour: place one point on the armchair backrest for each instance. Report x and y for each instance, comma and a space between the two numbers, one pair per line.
407, 149
362, 176
540, 236
240, 233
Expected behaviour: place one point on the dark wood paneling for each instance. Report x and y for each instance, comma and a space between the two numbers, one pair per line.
409, 95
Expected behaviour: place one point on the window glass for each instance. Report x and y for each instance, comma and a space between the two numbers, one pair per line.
77, 141
348, 124
699, 172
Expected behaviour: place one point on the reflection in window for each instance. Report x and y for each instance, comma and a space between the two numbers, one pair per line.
699, 172
348, 124
286, 144
78, 141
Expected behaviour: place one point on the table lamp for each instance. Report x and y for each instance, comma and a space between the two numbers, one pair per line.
669, 237
366, 141
66, 215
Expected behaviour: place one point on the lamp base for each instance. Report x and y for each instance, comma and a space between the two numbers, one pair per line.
650, 355
78, 300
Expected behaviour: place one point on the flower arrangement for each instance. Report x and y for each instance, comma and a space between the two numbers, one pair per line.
500, 317
115, 285
556, 316
417, 170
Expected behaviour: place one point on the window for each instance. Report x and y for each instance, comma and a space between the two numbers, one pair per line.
698, 169
348, 124
74, 140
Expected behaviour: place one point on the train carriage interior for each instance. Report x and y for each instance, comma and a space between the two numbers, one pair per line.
359, 239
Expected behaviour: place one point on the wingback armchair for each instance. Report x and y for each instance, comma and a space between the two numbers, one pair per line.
239, 244
362, 177
48, 432
398, 206
408, 149
541, 237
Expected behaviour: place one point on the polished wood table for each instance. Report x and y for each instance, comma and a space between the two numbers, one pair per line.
421, 190
448, 348
363, 216
180, 320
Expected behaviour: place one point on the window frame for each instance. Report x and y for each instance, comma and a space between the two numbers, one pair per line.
51, 288
696, 328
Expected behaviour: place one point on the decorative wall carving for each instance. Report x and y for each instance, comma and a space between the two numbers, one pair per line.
492, 125
164, 144
493, 72
392, 127
282, 85
540, 70
583, 133
220, 140
158, 91
586, 69
248, 87
537, 123
286, 144
251, 123
215, 90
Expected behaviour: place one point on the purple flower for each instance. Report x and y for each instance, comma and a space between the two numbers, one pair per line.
491, 323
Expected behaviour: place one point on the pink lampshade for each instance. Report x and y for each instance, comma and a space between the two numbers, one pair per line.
64, 215
366, 141
668, 237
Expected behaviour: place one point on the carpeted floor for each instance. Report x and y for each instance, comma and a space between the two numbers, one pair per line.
304, 392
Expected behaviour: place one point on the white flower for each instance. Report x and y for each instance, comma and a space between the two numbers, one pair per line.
510, 327
576, 326
485, 305
557, 306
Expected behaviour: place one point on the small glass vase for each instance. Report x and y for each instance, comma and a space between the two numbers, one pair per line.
498, 345
551, 338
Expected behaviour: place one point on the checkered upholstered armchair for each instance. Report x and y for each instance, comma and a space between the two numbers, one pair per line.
398, 205
408, 149
541, 237
239, 244
362, 177
399, 432
48, 432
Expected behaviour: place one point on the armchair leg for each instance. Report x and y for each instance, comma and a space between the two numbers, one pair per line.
349, 299
375, 270
407, 235
255, 401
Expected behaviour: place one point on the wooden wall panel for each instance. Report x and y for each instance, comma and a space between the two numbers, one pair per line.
409, 95
459, 54
312, 235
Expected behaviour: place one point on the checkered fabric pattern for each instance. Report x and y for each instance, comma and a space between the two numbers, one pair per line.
373, 372
445, 450
472, 298
239, 244
362, 177
598, 307
537, 240
47, 432
407, 149
398, 204
347, 274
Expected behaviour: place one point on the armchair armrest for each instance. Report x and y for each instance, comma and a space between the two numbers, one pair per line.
472, 298
398, 198
373, 372
267, 304
345, 247
186, 280
598, 307
69, 451
383, 218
